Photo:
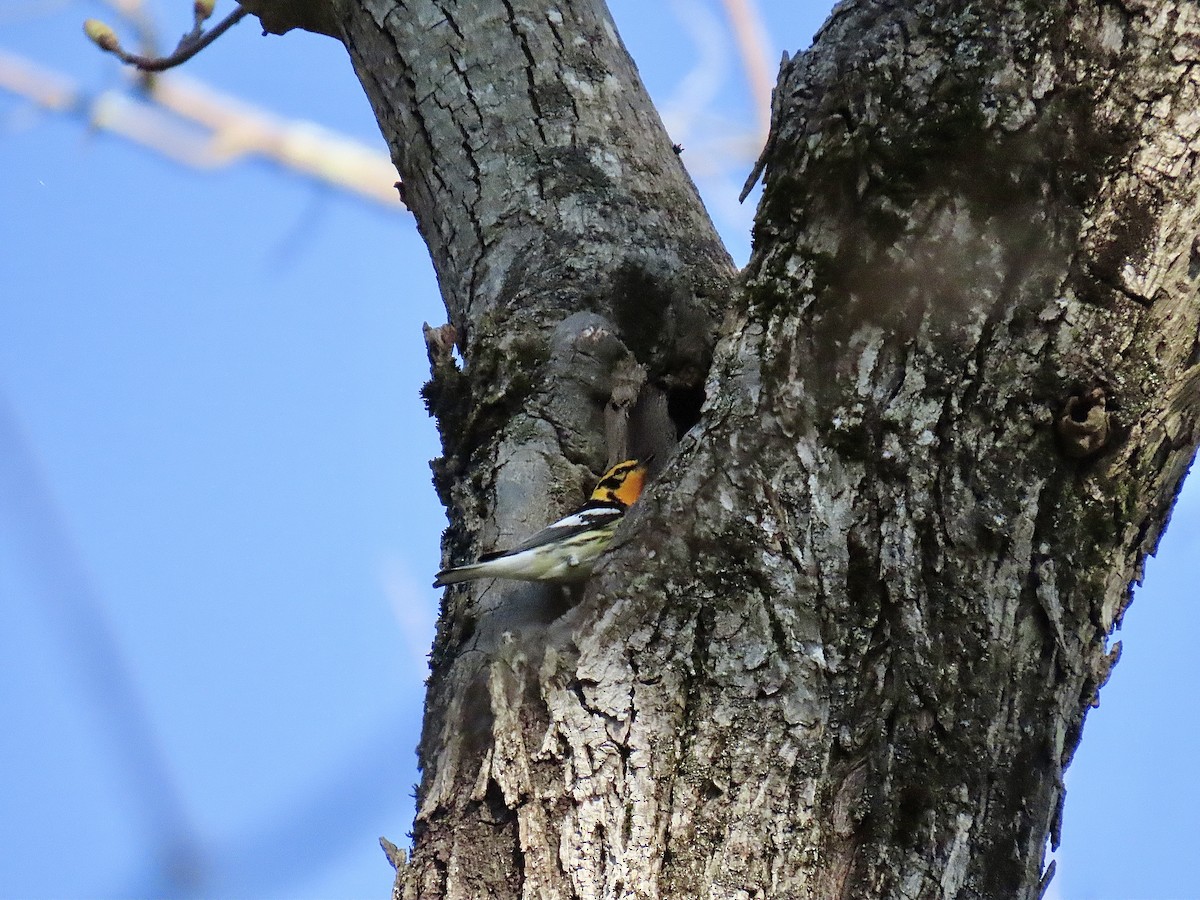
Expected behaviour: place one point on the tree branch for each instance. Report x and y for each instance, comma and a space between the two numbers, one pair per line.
191, 43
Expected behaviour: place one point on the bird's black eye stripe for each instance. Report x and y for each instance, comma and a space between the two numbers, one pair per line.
616, 477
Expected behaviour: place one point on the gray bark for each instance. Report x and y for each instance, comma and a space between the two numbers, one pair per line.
976, 222
845, 645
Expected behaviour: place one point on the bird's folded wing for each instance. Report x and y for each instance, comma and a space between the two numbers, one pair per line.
585, 520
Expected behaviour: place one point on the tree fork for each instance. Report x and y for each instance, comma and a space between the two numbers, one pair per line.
845, 646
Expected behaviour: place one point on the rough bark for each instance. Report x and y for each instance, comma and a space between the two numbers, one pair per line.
577, 265
956, 403
845, 646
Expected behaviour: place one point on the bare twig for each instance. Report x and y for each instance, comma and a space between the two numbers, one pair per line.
191, 43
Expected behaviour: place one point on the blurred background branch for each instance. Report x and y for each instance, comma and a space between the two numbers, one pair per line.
199, 127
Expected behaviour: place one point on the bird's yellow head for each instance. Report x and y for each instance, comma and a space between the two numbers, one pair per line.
621, 485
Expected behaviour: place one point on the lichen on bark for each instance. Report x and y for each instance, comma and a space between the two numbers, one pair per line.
845, 645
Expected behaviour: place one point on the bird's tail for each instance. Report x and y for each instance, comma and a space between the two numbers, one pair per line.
459, 573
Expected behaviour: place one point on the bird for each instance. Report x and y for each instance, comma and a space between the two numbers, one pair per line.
566, 550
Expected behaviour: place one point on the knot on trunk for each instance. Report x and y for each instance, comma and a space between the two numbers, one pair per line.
1084, 424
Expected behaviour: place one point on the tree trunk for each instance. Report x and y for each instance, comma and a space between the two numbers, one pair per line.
845, 645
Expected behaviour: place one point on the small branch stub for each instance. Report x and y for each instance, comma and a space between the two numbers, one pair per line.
760, 164
397, 857
439, 345
447, 393
1103, 671
1084, 425
1044, 884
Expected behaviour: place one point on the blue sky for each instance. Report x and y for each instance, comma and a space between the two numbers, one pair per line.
217, 530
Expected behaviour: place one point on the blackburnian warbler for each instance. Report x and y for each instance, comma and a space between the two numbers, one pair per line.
568, 549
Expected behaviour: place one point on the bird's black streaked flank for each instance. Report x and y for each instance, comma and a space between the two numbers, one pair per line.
566, 550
